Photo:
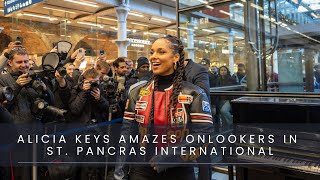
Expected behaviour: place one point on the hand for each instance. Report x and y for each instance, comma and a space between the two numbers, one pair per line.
76, 52
80, 59
11, 46
86, 85
23, 80
60, 79
55, 49
96, 94
2, 104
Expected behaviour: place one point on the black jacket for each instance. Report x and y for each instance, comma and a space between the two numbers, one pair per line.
24, 98
85, 108
197, 74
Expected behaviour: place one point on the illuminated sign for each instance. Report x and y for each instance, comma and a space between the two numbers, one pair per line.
138, 42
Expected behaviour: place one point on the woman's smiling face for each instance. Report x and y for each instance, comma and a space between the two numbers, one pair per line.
162, 57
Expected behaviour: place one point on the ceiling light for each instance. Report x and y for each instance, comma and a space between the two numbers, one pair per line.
207, 30
139, 24
171, 30
64, 36
48, 34
38, 16
206, 2
95, 39
85, 3
162, 20
210, 7
224, 12
256, 6
150, 33
1, 10
314, 15
238, 37
302, 9
196, 28
15, 30
61, 10
239, 4
107, 19
91, 24
184, 28
283, 25
135, 14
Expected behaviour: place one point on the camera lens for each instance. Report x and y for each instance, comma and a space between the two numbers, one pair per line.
62, 71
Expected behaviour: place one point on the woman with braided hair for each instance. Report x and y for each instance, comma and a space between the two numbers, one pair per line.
165, 105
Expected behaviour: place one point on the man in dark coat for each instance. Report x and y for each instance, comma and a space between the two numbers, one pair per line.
197, 75
87, 104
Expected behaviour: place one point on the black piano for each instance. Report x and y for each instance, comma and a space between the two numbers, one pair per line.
276, 115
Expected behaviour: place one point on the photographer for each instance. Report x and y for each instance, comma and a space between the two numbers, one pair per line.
5, 54
19, 81
87, 103
120, 69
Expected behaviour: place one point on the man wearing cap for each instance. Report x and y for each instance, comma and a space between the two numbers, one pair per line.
212, 78
142, 73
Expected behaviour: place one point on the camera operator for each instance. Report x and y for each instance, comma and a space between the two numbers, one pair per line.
19, 81
141, 74
120, 71
87, 104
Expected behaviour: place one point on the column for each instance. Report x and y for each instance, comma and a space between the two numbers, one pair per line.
190, 38
309, 63
275, 62
122, 42
231, 54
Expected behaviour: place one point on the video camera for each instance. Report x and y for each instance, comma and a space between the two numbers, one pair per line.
51, 62
109, 85
40, 104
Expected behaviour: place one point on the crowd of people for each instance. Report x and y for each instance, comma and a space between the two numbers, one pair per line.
103, 92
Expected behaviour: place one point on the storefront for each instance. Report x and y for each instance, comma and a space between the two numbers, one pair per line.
91, 25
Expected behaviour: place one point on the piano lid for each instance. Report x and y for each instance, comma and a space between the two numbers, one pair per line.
278, 100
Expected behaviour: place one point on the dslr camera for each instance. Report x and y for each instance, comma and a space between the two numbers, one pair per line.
94, 85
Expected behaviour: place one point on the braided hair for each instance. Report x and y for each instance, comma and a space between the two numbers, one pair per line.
177, 48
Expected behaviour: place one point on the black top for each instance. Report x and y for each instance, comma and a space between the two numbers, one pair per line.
165, 82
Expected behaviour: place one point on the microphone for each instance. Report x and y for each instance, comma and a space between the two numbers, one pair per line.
121, 81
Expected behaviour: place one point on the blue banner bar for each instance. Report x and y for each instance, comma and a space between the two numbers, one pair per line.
11, 6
